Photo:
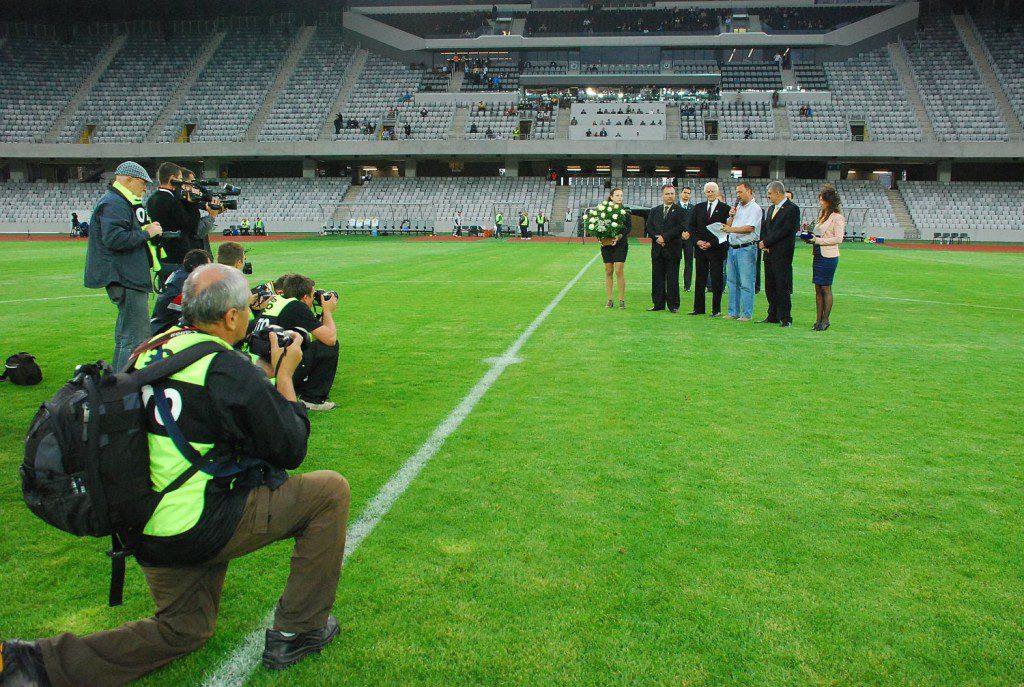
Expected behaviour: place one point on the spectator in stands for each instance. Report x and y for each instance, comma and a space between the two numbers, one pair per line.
489, 133
829, 230
778, 238
744, 230
810, 111
573, 122
167, 309
408, 130
119, 256
423, 112
481, 107
337, 124
747, 133
294, 310
473, 129
775, 98
604, 133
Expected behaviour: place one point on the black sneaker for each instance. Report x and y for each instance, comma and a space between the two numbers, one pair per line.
21, 665
282, 652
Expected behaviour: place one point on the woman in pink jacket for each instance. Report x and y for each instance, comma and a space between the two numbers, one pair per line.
828, 234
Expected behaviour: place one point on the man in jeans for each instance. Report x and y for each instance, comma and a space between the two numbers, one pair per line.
251, 432
119, 256
744, 229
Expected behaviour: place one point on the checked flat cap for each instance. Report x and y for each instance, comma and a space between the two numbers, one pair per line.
133, 169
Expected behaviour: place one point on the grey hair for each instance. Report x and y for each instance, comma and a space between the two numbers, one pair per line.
776, 186
207, 305
710, 184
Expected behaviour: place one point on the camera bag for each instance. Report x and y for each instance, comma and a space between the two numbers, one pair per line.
22, 369
86, 469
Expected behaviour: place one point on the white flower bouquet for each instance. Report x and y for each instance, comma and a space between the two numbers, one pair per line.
605, 221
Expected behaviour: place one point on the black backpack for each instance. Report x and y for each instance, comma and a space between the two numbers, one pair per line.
86, 468
22, 369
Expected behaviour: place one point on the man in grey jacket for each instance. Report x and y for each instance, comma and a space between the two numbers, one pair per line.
119, 256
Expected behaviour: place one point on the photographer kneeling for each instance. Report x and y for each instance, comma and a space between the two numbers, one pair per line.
293, 309
167, 309
252, 433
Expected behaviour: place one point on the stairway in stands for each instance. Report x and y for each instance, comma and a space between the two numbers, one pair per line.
971, 39
102, 62
899, 59
672, 121
564, 118
558, 205
455, 83
185, 86
782, 130
902, 213
355, 68
284, 72
458, 130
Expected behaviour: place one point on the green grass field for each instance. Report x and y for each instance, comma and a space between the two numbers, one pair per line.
646, 499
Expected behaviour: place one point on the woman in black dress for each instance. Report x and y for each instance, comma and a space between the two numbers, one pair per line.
614, 254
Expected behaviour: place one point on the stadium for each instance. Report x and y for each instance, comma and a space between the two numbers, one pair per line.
552, 475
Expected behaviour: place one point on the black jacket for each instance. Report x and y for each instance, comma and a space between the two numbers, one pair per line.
779, 234
700, 225
168, 210
670, 227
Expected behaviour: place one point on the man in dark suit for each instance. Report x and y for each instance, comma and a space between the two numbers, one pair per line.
666, 228
777, 242
687, 207
711, 254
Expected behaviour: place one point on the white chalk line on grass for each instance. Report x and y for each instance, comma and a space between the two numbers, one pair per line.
235, 670
54, 298
928, 302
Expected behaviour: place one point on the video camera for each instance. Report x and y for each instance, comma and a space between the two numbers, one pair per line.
220, 197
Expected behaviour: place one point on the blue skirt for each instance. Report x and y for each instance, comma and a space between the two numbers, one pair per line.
824, 268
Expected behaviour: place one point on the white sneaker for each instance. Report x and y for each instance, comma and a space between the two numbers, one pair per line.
326, 405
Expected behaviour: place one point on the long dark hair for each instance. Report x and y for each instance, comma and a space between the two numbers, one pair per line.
832, 203
611, 193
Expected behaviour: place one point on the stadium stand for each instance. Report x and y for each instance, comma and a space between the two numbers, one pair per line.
630, 21
1002, 39
38, 78
868, 87
122, 106
494, 120
810, 77
439, 24
492, 74
383, 83
954, 96
612, 68
751, 76
552, 67
957, 206
435, 125
644, 121
231, 88
476, 197
303, 104
821, 122
810, 19
735, 119
695, 67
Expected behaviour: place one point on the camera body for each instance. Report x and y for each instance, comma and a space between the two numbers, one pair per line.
259, 340
210, 191
247, 267
320, 294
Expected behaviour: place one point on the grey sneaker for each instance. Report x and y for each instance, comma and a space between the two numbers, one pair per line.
325, 405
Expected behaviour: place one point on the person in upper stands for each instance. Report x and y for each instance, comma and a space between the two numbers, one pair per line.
423, 112
589, 133
489, 133
573, 122
618, 134
629, 121
604, 133
408, 130
747, 133
473, 129
338, 121
810, 111
481, 107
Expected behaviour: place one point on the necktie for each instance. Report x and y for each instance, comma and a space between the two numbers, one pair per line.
775, 211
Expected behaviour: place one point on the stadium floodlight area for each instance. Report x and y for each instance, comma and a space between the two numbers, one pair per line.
372, 219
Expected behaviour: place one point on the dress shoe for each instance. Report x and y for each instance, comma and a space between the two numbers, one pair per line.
824, 326
767, 321
716, 314
687, 289
785, 324
21, 665
673, 310
654, 309
282, 651
695, 313
816, 327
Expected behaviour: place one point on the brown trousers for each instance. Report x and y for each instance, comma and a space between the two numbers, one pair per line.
310, 508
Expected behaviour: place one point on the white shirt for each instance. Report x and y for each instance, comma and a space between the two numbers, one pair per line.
712, 206
748, 215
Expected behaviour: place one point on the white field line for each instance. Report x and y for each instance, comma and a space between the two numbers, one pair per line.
235, 670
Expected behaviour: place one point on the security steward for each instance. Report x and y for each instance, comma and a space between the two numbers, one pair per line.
524, 225
244, 433
542, 223
499, 222
259, 229
293, 309
119, 256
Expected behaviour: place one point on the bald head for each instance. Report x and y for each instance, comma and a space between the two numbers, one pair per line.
211, 292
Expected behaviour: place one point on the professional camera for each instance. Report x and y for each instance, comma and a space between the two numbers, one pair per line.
320, 294
210, 191
246, 267
259, 340
264, 291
